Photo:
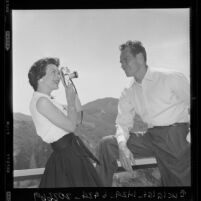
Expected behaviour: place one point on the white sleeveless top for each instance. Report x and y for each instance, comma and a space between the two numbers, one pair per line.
45, 128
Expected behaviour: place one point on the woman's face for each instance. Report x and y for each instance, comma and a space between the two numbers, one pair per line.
52, 77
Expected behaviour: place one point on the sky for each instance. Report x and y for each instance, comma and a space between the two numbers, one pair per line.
87, 41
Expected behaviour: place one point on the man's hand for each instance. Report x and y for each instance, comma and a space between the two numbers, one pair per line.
188, 138
126, 157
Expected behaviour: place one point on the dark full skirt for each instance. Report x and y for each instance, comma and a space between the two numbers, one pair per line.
69, 165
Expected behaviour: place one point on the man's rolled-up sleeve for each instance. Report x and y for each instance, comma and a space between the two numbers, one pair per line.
126, 113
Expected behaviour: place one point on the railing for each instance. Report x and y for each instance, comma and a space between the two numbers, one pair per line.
141, 163
29, 174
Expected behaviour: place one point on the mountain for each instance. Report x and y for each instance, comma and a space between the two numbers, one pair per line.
27, 144
98, 121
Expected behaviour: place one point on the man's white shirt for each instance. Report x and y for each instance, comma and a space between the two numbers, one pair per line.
162, 99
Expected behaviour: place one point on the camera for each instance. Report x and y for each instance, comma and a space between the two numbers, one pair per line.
67, 74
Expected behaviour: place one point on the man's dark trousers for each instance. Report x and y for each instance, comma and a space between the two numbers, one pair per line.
167, 144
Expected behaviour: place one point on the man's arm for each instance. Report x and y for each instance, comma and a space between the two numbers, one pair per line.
125, 116
124, 123
180, 86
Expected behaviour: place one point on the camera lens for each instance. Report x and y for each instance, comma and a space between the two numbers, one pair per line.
73, 75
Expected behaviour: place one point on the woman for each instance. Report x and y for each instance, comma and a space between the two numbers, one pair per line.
69, 164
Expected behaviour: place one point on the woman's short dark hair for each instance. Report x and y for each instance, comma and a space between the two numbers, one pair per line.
38, 70
135, 47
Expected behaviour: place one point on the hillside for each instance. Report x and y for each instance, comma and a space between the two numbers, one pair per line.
99, 120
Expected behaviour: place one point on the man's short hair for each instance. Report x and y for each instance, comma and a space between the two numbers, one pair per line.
38, 70
136, 47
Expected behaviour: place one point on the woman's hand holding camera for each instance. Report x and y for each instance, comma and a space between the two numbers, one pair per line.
70, 91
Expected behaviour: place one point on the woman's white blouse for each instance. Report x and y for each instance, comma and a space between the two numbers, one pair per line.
44, 128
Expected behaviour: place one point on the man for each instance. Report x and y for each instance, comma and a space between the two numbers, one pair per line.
162, 99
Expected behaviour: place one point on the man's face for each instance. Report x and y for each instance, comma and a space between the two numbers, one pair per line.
129, 63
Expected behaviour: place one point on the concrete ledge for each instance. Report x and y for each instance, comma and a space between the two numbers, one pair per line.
27, 174
141, 163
